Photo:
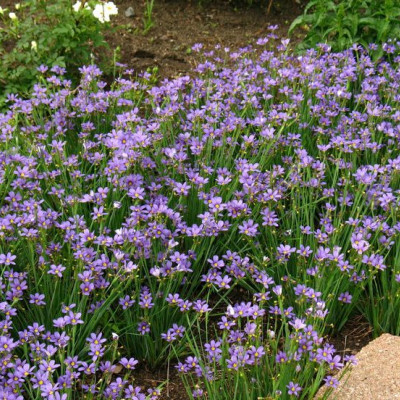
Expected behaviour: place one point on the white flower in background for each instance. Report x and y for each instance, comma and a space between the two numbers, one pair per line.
17, 6
103, 11
98, 13
1, 10
12, 16
34, 45
110, 8
78, 5
172, 243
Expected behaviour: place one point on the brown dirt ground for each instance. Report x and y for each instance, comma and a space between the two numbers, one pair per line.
175, 390
179, 24
356, 334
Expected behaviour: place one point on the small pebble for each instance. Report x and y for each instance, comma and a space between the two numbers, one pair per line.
129, 12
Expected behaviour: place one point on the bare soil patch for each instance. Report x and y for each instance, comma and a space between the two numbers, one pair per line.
179, 24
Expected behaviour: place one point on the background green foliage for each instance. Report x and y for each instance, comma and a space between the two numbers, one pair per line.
62, 36
341, 23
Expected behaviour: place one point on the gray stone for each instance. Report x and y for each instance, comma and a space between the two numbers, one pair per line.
129, 12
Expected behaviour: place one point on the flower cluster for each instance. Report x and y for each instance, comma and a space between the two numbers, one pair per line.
49, 370
239, 214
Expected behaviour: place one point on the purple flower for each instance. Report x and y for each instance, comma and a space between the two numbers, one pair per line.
7, 344
215, 204
281, 357
269, 217
216, 262
7, 259
96, 339
126, 302
170, 336
223, 282
128, 364
37, 299
213, 350
284, 252
73, 318
98, 212
248, 228
345, 297
294, 389
255, 353
359, 244
143, 327
201, 306
334, 361
56, 270
330, 381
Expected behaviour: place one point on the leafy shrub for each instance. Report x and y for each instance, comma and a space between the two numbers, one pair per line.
340, 23
50, 33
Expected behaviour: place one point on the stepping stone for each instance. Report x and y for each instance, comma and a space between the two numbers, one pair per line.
376, 375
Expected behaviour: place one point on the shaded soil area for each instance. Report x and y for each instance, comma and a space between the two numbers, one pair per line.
355, 335
173, 390
179, 24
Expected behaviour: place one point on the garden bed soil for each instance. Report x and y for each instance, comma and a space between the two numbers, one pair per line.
354, 336
179, 24
175, 390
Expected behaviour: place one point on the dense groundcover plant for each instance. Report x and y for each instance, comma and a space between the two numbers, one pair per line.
223, 224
